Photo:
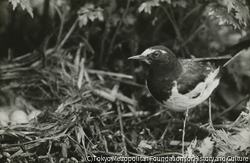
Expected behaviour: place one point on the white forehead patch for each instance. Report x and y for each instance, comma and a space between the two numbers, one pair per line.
149, 51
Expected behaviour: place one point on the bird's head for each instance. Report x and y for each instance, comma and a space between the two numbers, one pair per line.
155, 54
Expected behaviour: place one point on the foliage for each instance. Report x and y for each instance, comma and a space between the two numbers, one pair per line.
223, 143
88, 12
25, 5
232, 145
147, 6
233, 12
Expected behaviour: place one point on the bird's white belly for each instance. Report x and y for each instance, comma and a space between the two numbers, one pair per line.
182, 102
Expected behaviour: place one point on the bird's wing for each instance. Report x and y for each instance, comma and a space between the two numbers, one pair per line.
193, 73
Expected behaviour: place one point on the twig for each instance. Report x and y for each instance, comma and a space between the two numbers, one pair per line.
165, 132
231, 107
178, 143
81, 74
27, 59
183, 132
105, 95
107, 153
62, 16
154, 115
169, 153
121, 127
104, 38
48, 153
117, 29
78, 148
191, 12
191, 37
68, 34
90, 48
109, 74
128, 82
173, 23
229, 127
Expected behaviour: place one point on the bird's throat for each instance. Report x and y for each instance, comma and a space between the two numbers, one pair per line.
170, 70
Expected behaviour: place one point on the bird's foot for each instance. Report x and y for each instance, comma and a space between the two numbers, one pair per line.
209, 126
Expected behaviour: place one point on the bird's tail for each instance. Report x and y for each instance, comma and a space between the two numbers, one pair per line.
232, 58
235, 51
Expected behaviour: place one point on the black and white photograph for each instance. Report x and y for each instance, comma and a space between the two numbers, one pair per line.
163, 81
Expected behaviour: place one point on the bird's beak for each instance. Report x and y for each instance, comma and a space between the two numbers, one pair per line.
141, 58
138, 57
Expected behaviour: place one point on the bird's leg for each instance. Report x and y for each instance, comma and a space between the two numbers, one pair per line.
210, 114
183, 132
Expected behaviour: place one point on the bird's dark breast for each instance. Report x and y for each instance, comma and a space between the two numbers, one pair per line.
160, 80
159, 87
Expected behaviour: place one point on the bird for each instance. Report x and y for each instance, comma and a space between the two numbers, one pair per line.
182, 84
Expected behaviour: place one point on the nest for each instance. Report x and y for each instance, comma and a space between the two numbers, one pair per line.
77, 109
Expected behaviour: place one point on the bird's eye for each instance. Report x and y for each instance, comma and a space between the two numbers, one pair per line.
156, 54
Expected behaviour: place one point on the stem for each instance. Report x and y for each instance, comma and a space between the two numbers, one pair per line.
231, 107
191, 37
117, 29
183, 132
61, 24
103, 43
121, 127
68, 34
173, 23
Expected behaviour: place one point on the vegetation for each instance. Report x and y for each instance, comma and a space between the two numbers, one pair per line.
68, 59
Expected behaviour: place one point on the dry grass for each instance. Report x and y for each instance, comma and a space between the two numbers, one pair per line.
78, 104
84, 113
